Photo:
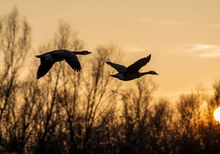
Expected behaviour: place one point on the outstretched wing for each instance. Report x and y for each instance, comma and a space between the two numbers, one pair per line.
72, 60
44, 67
118, 67
136, 66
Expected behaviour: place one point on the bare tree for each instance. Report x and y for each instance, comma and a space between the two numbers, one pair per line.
160, 127
100, 94
189, 121
15, 41
216, 87
58, 86
90, 112
209, 129
135, 117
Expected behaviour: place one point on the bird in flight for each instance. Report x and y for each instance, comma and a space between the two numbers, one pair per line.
131, 72
49, 58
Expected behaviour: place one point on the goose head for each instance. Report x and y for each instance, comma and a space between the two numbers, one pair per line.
152, 72
85, 52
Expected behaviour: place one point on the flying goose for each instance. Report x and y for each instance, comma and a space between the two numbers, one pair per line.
131, 72
48, 59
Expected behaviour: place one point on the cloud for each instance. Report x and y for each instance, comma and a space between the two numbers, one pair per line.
176, 22
217, 26
205, 50
133, 47
144, 20
201, 50
173, 22
163, 22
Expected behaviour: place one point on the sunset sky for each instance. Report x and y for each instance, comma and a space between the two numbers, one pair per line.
182, 36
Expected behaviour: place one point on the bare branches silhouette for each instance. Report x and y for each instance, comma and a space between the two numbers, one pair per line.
89, 112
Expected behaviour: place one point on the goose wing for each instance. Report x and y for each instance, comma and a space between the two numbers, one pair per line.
44, 67
118, 67
136, 66
72, 60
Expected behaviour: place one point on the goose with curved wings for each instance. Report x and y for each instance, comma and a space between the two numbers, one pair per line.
48, 59
131, 72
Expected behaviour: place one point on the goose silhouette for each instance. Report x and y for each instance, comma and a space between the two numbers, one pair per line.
131, 72
49, 58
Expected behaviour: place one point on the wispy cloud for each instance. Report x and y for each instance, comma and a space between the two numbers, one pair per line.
133, 48
159, 21
144, 20
206, 50
201, 50
217, 26
175, 22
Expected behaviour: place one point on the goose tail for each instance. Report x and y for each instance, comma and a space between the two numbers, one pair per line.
38, 56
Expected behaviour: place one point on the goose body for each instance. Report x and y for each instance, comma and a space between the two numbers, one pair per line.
131, 72
48, 59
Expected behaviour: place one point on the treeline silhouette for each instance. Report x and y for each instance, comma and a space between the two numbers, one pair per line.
89, 112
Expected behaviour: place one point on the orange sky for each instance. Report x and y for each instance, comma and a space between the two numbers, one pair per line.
182, 36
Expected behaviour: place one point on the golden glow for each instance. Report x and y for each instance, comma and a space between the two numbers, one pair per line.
183, 37
217, 114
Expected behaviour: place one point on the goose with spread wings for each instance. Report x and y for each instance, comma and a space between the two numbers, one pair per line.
48, 59
131, 72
